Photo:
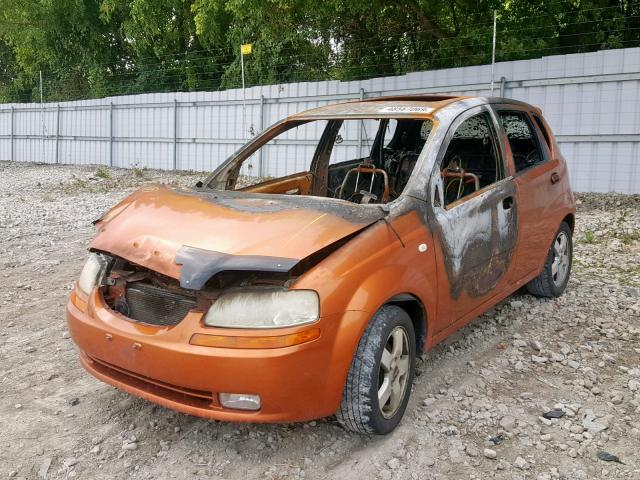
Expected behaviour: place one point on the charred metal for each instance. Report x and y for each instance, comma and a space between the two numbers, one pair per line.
270, 203
198, 265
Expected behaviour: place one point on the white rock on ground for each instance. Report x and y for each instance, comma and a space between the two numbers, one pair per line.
467, 388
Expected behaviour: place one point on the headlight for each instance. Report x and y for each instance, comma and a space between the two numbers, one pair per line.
91, 272
264, 308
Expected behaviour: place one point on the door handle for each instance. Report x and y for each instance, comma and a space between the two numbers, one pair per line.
555, 178
507, 203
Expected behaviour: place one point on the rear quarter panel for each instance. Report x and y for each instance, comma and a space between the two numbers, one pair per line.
551, 204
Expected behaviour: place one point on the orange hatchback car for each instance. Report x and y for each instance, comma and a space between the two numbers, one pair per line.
310, 294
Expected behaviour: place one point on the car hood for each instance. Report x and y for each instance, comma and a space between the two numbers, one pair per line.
158, 227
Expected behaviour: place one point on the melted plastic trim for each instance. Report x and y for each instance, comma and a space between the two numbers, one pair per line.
199, 265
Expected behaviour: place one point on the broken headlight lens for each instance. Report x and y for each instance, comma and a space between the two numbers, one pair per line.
264, 308
91, 272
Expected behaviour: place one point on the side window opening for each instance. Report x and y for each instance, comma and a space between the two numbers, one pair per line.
522, 139
274, 157
543, 130
471, 161
389, 131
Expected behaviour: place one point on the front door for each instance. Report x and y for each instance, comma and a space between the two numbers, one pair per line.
474, 217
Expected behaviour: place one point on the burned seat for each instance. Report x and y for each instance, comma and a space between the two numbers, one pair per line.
365, 183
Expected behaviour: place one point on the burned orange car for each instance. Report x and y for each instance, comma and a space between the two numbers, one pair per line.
310, 295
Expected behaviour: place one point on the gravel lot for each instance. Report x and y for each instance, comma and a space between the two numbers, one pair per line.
476, 405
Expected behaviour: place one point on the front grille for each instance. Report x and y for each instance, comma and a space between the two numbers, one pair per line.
156, 306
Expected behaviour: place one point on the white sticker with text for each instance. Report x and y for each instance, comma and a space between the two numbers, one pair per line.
406, 109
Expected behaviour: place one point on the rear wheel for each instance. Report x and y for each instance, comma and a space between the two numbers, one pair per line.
379, 381
555, 275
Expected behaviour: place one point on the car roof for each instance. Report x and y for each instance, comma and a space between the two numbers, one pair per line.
409, 106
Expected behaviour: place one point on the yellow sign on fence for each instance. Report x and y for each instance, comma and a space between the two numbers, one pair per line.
245, 48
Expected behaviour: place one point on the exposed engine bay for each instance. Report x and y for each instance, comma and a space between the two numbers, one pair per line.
151, 298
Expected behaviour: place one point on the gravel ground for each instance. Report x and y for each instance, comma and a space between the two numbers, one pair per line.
477, 403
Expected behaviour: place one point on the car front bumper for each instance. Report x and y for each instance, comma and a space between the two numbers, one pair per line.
296, 383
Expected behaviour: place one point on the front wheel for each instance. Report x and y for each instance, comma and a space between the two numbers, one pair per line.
555, 274
379, 381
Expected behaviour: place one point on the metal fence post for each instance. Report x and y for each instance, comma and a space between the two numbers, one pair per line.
58, 134
261, 127
12, 134
175, 134
111, 134
360, 129
503, 81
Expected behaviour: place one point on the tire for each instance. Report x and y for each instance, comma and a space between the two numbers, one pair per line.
360, 409
549, 283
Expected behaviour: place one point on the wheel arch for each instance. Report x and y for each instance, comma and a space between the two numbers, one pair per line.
570, 219
417, 313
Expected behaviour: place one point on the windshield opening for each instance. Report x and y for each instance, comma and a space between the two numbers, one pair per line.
364, 161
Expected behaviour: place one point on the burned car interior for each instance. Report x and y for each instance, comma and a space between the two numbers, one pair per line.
522, 139
370, 161
391, 149
382, 175
471, 161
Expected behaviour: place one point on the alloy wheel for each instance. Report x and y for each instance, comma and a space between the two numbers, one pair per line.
561, 258
394, 372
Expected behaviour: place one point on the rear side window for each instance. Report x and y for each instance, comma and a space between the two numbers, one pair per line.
522, 140
545, 134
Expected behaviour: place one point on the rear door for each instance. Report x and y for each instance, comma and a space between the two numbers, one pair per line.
475, 217
537, 174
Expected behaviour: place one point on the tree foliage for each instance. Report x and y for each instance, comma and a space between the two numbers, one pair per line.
93, 48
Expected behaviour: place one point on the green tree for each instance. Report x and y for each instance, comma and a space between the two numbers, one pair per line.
165, 51
93, 48
64, 39
289, 43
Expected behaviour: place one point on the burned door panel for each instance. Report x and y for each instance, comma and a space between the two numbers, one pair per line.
474, 215
477, 238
